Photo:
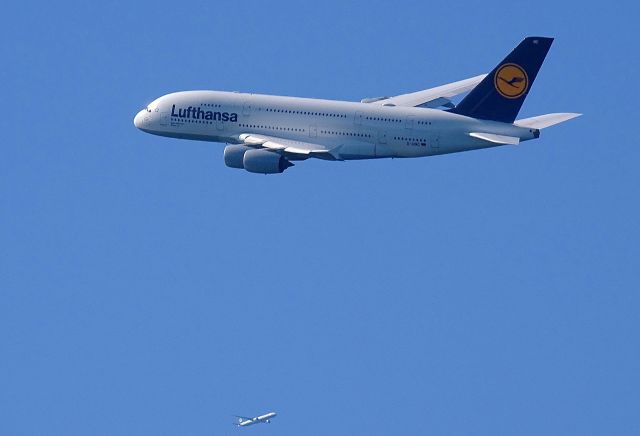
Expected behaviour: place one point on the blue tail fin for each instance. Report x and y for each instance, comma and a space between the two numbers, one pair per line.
500, 95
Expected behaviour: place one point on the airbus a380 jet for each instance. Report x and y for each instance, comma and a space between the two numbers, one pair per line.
266, 134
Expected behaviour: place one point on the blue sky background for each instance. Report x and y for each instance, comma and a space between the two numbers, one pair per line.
146, 289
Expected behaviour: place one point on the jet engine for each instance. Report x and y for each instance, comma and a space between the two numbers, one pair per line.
264, 162
234, 154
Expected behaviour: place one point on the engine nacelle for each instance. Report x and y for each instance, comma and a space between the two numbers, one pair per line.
234, 155
265, 162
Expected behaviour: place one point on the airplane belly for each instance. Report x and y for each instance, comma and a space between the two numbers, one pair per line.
386, 150
357, 151
412, 149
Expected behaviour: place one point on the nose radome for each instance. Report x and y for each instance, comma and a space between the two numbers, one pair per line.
138, 119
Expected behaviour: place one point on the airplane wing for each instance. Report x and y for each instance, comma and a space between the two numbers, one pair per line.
299, 149
243, 417
433, 97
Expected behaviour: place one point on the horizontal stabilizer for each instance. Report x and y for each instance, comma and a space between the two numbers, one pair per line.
544, 121
496, 139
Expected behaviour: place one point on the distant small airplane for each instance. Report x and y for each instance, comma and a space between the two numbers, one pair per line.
244, 421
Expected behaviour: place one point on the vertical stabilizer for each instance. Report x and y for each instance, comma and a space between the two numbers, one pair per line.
500, 95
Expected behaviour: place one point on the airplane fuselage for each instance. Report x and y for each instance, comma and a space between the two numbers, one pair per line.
353, 130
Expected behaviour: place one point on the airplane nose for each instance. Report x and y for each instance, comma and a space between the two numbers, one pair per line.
138, 120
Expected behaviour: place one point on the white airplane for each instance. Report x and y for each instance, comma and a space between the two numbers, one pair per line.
243, 421
266, 134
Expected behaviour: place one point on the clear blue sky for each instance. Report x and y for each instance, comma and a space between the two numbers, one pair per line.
146, 289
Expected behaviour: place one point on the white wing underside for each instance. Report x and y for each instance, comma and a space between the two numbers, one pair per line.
432, 97
292, 146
